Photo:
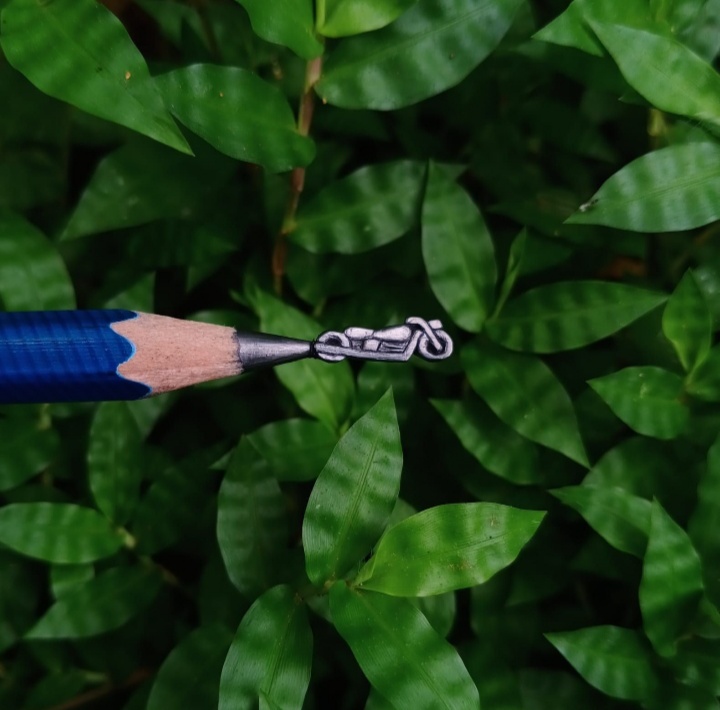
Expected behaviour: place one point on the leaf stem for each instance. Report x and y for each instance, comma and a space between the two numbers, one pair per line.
319, 13
313, 70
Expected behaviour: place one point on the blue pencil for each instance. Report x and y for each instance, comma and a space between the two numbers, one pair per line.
79, 356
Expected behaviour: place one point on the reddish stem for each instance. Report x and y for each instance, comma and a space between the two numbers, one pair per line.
313, 70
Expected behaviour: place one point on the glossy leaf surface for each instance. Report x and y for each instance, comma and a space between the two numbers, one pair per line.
671, 585
430, 48
142, 182
190, 675
526, 395
572, 29
270, 655
687, 323
352, 17
569, 314
498, 447
295, 449
323, 392
448, 547
647, 58
33, 276
287, 22
400, 653
94, 65
66, 578
647, 399
704, 381
612, 659
114, 462
25, 450
458, 251
251, 528
619, 517
58, 532
371, 207
237, 113
640, 466
664, 191
354, 494
103, 603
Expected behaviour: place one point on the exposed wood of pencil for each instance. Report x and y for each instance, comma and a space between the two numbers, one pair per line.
172, 353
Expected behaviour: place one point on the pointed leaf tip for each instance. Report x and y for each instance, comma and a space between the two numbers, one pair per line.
354, 494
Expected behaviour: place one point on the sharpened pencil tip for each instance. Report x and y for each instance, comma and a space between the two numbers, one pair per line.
257, 350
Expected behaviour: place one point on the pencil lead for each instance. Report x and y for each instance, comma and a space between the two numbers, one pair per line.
396, 343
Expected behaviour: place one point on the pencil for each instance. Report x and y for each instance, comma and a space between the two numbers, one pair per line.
99, 355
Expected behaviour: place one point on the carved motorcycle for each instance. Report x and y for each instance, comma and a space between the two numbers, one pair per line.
394, 344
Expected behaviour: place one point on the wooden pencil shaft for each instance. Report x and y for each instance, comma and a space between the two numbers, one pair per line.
59, 356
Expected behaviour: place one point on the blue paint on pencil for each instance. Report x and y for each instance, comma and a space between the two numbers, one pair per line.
65, 356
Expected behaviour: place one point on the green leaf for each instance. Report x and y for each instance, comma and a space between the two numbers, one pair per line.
58, 532
671, 585
448, 547
430, 48
512, 270
295, 449
703, 524
33, 276
102, 604
190, 675
611, 659
94, 65
526, 395
704, 381
646, 60
569, 314
352, 17
498, 447
354, 494
285, 22
697, 663
571, 28
687, 323
458, 251
325, 392
400, 653
25, 450
142, 182
668, 190
114, 462
238, 113
270, 655
376, 701
251, 527
645, 468
621, 518
169, 509
67, 578
440, 610
678, 15
647, 399
372, 206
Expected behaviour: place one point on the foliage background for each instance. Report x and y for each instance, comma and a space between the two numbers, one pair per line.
545, 179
